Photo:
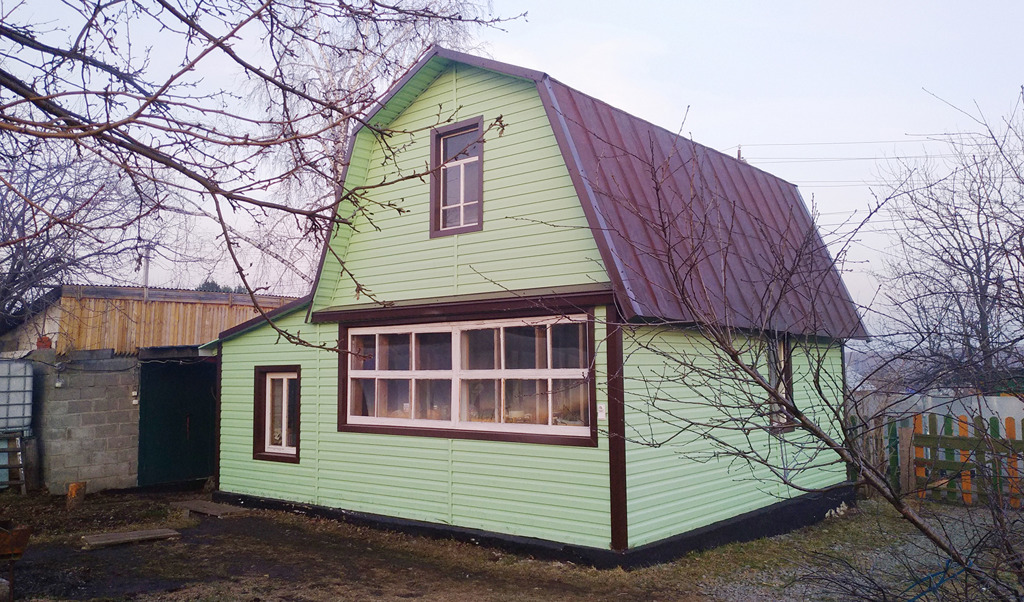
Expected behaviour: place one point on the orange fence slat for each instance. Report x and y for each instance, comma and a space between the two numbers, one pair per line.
965, 476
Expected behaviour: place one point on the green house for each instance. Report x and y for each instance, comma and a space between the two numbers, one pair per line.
529, 284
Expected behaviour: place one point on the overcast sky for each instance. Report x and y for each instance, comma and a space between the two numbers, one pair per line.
822, 94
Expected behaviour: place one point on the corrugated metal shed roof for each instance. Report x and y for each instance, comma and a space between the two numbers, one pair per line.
687, 234
155, 293
126, 318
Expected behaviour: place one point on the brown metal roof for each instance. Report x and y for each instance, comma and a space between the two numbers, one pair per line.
690, 234
687, 233
287, 308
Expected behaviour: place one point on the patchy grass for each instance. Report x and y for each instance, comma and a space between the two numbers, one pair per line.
52, 522
273, 555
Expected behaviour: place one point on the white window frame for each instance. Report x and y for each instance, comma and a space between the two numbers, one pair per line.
461, 205
290, 379
457, 374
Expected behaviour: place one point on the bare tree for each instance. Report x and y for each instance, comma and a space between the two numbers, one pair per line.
953, 279
236, 111
749, 368
64, 217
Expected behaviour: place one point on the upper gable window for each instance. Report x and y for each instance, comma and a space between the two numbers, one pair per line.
456, 187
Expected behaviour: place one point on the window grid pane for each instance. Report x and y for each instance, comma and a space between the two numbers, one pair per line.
363, 350
362, 397
292, 412
433, 399
460, 193
275, 409
393, 397
281, 413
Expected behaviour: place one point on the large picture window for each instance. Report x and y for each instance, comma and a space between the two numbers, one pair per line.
276, 424
457, 178
527, 376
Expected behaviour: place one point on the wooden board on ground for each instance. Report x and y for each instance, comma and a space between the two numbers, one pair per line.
208, 508
103, 540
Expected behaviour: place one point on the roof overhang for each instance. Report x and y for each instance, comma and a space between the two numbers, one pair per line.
504, 304
175, 352
248, 325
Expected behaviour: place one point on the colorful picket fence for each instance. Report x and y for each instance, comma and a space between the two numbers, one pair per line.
966, 460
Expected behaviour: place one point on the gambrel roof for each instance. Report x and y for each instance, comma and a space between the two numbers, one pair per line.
687, 234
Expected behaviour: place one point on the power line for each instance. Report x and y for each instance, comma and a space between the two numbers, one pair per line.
938, 137
846, 143
837, 159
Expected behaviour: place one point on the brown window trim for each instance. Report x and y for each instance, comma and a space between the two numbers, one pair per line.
789, 425
553, 439
435, 177
259, 419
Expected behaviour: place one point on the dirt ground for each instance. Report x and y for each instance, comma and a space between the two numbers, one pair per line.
264, 555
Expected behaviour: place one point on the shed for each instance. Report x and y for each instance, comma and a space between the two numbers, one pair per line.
123, 396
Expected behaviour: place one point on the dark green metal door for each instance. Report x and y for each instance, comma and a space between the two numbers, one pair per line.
177, 416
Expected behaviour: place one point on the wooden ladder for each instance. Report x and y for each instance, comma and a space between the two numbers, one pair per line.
11, 444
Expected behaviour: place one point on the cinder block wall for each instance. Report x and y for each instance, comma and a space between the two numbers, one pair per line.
88, 428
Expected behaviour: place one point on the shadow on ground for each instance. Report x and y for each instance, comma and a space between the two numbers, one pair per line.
267, 556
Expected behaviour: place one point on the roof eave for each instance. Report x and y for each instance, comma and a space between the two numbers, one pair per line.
248, 325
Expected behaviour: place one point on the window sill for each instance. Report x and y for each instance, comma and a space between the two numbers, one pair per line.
271, 457
459, 230
553, 439
778, 429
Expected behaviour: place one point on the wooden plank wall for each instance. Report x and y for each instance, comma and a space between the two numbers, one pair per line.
124, 325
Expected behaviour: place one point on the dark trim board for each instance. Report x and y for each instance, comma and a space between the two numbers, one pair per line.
513, 437
779, 518
217, 415
539, 548
616, 431
510, 305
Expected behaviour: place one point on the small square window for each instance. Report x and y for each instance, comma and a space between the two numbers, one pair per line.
456, 183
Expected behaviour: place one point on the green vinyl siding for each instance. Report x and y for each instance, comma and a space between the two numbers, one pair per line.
674, 481
817, 377
551, 492
534, 235
239, 472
